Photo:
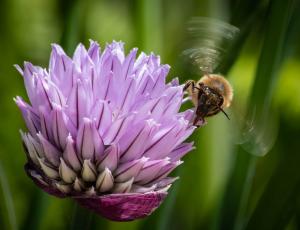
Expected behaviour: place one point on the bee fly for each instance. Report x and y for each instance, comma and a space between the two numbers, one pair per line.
210, 95
210, 40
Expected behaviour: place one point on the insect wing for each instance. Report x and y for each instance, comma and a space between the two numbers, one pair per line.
209, 41
255, 138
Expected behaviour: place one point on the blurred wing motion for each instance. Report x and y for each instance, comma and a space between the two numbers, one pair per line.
209, 41
256, 137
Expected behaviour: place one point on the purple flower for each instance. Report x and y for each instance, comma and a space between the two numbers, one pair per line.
104, 129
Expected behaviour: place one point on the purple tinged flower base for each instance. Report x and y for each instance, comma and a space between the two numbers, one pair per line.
104, 129
124, 207
116, 207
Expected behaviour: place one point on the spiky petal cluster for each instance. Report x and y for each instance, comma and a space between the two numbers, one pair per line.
104, 128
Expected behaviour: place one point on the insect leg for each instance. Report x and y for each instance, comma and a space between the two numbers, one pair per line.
224, 113
188, 84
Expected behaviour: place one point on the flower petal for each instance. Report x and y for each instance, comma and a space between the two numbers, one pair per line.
48, 170
89, 172
40, 181
136, 148
180, 151
128, 63
64, 188
142, 189
89, 143
52, 154
31, 119
94, 52
78, 103
105, 181
117, 129
78, 185
61, 69
150, 170
82, 59
125, 206
60, 131
166, 170
46, 122
123, 187
65, 172
162, 142
70, 155
101, 115
32, 152
129, 170
111, 158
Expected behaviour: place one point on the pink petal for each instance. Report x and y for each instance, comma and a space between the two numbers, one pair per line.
136, 148
94, 52
110, 159
124, 207
60, 131
128, 170
52, 154
89, 143
117, 129
102, 115
150, 171
70, 155
180, 151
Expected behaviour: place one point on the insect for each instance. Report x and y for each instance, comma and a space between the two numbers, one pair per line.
210, 95
210, 40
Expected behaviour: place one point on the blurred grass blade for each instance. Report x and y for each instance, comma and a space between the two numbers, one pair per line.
39, 201
283, 183
167, 210
148, 25
7, 200
278, 203
245, 23
293, 32
244, 10
81, 218
270, 61
70, 13
260, 98
271, 53
237, 189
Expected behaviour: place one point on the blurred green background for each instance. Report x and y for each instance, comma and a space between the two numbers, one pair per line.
244, 174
